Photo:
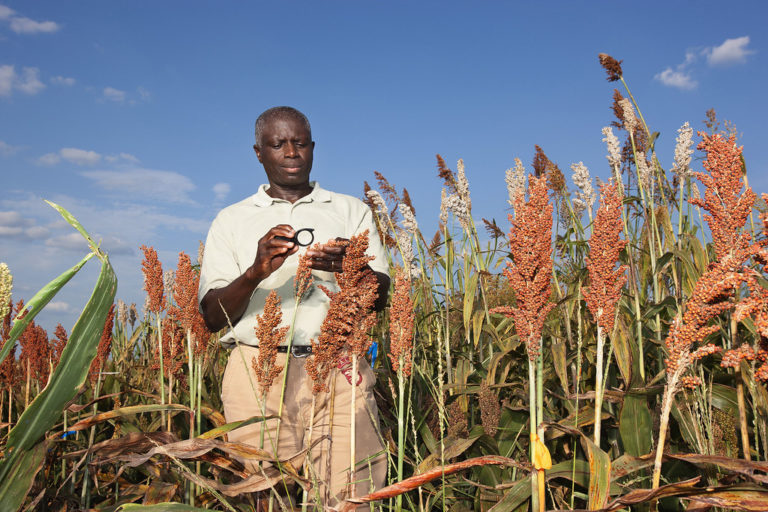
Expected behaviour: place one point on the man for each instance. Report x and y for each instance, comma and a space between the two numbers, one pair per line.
248, 253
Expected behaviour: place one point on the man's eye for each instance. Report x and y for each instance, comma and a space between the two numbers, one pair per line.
276, 146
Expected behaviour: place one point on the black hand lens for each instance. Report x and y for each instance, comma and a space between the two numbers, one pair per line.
302, 237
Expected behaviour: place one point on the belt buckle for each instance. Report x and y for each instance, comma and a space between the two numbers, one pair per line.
295, 352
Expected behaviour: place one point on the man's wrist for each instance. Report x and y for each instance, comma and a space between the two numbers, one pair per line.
252, 276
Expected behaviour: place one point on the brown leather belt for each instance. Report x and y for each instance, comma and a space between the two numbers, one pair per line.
296, 350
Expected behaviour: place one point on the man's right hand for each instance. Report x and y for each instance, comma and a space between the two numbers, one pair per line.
271, 253
233, 298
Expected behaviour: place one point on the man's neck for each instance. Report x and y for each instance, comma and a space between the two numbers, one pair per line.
290, 194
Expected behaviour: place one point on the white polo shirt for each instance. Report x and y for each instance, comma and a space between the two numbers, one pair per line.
233, 240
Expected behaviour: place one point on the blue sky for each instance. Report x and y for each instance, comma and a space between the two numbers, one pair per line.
138, 116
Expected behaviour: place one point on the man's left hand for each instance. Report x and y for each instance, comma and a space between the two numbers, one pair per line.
328, 257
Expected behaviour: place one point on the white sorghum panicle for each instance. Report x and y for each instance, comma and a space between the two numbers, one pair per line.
200, 252
644, 174
381, 206
564, 215
462, 185
122, 312
405, 243
695, 193
630, 119
585, 193
6, 286
614, 154
443, 208
458, 207
515, 179
683, 151
169, 279
409, 219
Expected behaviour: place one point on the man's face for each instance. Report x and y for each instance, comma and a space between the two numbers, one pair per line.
285, 151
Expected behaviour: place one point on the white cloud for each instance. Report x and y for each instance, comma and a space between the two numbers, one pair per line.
36, 232
145, 184
14, 225
72, 155
121, 157
58, 306
63, 80
143, 93
80, 156
27, 82
70, 241
221, 190
5, 12
680, 79
112, 94
11, 218
732, 51
7, 75
8, 150
22, 25
49, 159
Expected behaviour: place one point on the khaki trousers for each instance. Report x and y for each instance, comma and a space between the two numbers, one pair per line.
332, 415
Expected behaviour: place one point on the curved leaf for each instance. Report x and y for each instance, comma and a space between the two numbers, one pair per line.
69, 375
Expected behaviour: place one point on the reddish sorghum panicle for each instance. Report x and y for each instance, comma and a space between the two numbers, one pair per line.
446, 174
186, 310
174, 353
490, 409
605, 245
401, 318
8, 366
732, 358
611, 66
303, 279
727, 206
711, 296
270, 336
350, 315
530, 271
35, 350
756, 306
58, 344
105, 346
153, 280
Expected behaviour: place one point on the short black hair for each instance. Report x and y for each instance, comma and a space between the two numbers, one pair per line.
279, 113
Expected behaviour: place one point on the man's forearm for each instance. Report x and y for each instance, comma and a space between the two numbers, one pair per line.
232, 299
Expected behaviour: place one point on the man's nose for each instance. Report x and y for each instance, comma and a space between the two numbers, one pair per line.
291, 151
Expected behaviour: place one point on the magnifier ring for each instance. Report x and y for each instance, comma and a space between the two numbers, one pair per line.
301, 240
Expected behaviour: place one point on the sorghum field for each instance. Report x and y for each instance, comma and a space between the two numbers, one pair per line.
605, 349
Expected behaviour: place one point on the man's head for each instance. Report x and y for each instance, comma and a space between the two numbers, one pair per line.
279, 113
284, 146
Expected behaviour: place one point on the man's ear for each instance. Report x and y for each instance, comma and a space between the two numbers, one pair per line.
258, 151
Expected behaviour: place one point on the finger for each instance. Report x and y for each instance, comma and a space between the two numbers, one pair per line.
326, 265
326, 252
282, 230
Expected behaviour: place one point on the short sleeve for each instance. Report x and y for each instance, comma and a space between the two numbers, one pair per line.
375, 247
219, 267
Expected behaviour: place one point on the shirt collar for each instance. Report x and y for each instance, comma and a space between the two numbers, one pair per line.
261, 198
